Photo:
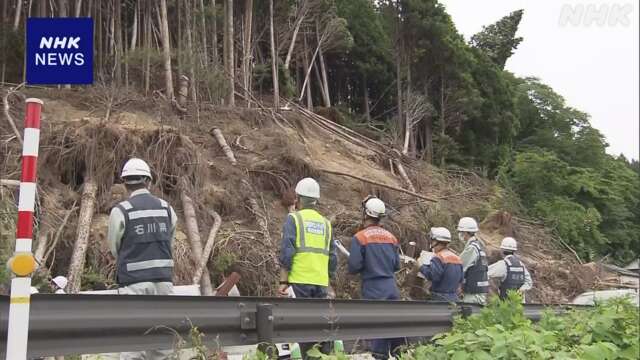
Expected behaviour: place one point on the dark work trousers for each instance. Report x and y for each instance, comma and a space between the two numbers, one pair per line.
304, 291
382, 289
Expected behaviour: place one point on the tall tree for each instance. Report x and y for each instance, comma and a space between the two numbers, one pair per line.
274, 60
229, 49
247, 50
16, 18
499, 40
166, 50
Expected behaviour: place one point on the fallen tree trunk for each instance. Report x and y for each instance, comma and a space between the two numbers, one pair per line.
193, 233
9, 183
217, 221
223, 144
255, 209
404, 176
76, 265
390, 187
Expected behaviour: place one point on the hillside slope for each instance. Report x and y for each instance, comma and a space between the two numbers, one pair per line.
273, 153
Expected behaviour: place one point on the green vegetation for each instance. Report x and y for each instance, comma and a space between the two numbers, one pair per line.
501, 331
478, 115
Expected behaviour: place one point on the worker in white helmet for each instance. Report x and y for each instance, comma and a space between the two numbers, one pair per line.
59, 283
141, 233
375, 256
444, 270
474, 263
510, 271
307, 254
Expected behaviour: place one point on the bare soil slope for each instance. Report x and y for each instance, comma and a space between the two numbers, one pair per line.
78, 141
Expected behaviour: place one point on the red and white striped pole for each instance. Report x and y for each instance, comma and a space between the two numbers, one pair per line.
23, 264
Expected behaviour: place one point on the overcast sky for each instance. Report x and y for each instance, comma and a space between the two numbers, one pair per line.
594, 67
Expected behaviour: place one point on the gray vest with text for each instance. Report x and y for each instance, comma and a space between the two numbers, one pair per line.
476, 280
515, 275
145, 251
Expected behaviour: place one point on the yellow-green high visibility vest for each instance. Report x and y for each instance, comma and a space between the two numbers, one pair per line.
311, 261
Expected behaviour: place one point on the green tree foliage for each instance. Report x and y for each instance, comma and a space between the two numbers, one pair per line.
563, 175
501, 331
369, 59
499, 40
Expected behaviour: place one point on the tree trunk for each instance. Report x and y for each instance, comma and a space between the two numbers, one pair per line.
274, 61
292, 45
78, 7
147, 49
324, 83
118, 41
443, 122
134, 34
76, 265
202, 263
306, 66
408, 126
399, 68
16, 19
203, 25
407, 136
193, 233
191, 61
255, 209
404, 176
311, 64
399, 94
246, 50
166, 50
214, 31
217, 133
365, 93
229, 49
316, 70
62, 11
428, 139
99, 39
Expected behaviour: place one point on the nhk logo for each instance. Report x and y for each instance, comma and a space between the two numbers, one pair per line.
59, 51
52, 58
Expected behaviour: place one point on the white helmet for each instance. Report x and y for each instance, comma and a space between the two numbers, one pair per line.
509, 243
440, 234
60, 282
308, 187
135, 167
374, 207
467, 224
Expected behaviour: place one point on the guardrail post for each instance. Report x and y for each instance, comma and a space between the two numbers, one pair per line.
264, 328
264, 322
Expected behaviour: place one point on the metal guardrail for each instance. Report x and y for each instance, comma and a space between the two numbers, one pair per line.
89, 324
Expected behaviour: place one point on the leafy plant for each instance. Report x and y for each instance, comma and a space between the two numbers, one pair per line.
501, 331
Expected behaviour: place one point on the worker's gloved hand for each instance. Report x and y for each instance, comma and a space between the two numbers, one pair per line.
425, 257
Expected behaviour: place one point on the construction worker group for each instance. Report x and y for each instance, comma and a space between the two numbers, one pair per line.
142, 228
308, 260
